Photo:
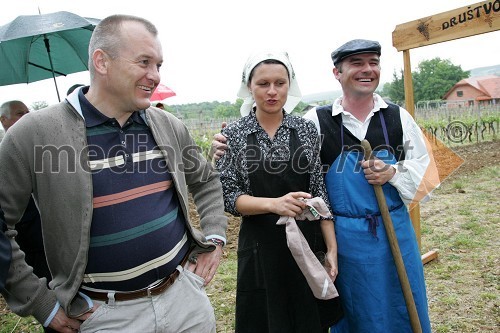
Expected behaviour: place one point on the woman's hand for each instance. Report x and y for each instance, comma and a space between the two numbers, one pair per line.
331, 264
291, 204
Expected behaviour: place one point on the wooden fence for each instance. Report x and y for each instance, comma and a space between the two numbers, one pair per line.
460, 125
449, 114
206, 126
452, 125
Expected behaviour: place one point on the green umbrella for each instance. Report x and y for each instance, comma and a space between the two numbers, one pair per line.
39, 47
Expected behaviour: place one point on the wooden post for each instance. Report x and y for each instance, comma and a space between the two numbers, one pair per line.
475, 19
410, 107
429, 256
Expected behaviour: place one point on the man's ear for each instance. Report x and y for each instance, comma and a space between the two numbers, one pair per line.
3, 119
336, 72
100, 61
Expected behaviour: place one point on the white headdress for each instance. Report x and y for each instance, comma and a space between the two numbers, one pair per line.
294, 94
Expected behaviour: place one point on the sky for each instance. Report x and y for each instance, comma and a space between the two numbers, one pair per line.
206, 43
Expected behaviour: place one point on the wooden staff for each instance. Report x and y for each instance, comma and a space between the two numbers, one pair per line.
396, 253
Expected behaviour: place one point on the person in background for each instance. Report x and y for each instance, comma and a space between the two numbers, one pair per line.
73, 87
29, 229
111, 177
271, 166
11, 112
160, 105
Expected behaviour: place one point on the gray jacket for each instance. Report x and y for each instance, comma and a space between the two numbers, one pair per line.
45, 153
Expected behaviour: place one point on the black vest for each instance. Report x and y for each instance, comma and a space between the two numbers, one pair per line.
331, 146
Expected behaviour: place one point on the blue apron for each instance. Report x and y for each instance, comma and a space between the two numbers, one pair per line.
368, 282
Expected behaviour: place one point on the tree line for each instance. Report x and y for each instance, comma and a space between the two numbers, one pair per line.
431, 80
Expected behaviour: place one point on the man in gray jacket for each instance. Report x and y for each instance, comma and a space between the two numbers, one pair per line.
111, 178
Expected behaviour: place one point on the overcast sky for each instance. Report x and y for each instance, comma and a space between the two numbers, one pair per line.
206, 43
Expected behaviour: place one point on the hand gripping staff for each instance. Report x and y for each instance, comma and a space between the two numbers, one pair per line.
393, 242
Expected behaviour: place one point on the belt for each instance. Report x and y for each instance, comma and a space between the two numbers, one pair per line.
157, 289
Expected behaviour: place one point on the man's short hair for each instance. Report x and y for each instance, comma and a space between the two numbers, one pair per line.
5, 108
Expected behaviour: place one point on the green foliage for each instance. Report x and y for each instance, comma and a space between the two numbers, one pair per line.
39, 105
205, 110
9, 322
431, 81
395, 91
435, 77
459, 185
490, 118
228, 110
204, 141
169, 109
215, 110
299, 109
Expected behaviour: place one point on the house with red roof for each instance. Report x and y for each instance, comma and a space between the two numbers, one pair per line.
477, 91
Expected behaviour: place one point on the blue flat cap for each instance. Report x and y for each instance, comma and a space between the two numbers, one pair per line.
355, 46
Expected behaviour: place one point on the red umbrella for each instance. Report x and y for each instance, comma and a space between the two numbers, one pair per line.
162, 92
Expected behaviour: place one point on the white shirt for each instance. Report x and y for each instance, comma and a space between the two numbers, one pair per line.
409, 172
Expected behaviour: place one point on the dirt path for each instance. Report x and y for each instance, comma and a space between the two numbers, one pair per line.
477, 156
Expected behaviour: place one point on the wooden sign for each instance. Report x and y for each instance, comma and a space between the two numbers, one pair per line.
462, 22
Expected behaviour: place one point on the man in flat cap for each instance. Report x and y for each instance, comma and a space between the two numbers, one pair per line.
368, 282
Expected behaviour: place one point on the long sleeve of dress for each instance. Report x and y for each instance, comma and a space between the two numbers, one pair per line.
232, 168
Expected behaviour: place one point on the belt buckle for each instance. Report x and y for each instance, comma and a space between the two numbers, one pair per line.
151, 287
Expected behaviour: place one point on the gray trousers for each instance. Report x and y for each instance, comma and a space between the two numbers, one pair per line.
184, 307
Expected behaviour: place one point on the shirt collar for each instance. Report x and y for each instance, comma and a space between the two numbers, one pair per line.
378, 103
94, 117
254, 124
91, 115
